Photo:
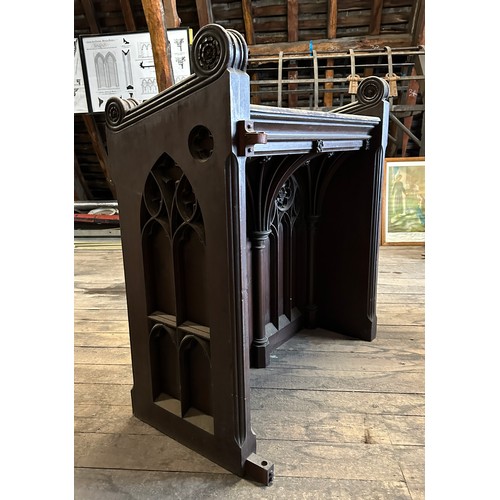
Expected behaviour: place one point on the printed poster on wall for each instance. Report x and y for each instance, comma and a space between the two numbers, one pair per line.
179, 53
123, 65
80, 94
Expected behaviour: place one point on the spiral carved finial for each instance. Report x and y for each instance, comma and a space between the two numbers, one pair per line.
215, 49
372, 90
116, 109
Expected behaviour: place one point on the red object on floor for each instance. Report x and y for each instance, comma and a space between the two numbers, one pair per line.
97, 218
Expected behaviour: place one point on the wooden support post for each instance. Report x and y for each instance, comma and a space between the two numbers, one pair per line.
246, 6
376, 17
418, 24
128, 17
293, 98
292, 15
100, 150
173, 19
88, 7
205, 13
331, 26
255, 98
328, 96
157, 27
331, 32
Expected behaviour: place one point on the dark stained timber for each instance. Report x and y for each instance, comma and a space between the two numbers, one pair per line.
240, 225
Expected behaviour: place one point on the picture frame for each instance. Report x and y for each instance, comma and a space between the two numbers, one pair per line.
403, 201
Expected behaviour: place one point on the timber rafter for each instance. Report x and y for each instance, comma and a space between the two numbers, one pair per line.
292, 27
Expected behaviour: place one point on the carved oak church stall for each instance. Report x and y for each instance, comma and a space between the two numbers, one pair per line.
240, 225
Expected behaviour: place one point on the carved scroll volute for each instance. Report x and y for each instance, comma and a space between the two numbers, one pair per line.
372, 90
116, 109
214, 50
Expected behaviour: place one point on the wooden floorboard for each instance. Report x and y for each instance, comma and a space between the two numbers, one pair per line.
340, 418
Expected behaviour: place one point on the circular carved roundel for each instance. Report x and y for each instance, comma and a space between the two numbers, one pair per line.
201, 143
372, 90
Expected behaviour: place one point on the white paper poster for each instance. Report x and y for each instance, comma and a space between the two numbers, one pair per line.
179, 53
79, 92
119, 65
123, 65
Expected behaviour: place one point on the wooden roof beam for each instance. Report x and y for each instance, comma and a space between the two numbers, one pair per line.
157, 26
173, 19
205, 13
339, 44
331, 26
411, 100
100, 150
418, 25
246, 6
90, 14
376, 17
128, 16
292, 15
82, 191
331, 32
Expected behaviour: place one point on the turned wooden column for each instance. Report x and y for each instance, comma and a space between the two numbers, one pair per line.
312, 238
259, 355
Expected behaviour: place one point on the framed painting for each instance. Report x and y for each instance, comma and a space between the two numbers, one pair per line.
403, 201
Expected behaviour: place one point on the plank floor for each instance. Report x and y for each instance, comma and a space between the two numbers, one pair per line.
340, 418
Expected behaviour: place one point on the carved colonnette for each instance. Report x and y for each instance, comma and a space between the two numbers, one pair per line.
240, 225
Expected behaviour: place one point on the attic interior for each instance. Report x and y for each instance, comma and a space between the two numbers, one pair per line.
305, 54
167, 372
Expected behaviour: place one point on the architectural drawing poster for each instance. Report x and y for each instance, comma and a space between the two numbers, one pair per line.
179, 53
123, 66
80, 94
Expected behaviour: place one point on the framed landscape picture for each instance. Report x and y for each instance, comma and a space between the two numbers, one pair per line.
403, 201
